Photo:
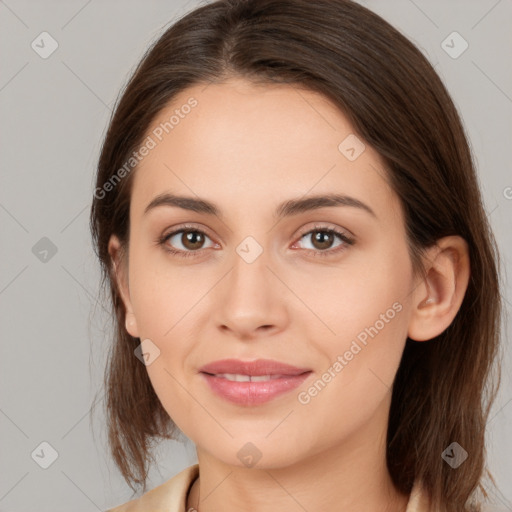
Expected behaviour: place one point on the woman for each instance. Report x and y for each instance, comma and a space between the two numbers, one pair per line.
303, 277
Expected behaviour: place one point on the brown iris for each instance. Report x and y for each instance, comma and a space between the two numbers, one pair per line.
192, 239
322, 239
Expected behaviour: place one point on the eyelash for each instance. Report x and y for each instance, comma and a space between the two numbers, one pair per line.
348, 241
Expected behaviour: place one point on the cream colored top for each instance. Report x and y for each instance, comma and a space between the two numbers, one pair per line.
171, 496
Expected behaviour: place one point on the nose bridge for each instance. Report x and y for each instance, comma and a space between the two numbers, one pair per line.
248, 299
249, 267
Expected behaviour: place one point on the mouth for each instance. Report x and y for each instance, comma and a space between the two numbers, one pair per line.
257, 368
252, 383
238, 377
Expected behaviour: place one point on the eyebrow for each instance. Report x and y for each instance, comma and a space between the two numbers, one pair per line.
285, 209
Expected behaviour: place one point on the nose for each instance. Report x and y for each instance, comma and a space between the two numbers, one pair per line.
251, 300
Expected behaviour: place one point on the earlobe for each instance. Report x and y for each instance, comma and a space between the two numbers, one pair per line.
131, 324
119, 275
439, 295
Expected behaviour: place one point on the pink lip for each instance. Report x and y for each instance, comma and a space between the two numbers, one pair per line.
253, 393
258, 367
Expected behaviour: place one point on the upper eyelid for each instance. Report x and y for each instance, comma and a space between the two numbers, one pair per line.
319, 226
179, 229
303, 231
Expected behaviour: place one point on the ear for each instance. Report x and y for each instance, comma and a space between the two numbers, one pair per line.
120, 275
438, 296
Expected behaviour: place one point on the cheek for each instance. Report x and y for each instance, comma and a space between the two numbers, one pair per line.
162, 294
355, 384
165, 302
367, 311
354, 297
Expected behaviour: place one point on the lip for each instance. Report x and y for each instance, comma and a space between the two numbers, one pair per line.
258, 367
286, 378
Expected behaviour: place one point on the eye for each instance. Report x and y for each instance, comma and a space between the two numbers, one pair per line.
185, 241
323, 238
189, 241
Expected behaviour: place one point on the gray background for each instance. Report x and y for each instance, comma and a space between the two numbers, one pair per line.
54, 113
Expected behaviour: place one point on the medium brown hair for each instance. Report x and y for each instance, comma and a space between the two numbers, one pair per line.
398, 105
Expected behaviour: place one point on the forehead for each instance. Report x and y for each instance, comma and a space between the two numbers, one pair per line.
246, 145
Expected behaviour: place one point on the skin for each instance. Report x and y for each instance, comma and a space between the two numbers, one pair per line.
247, 148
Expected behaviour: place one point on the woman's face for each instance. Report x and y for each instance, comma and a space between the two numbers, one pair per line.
256, 281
